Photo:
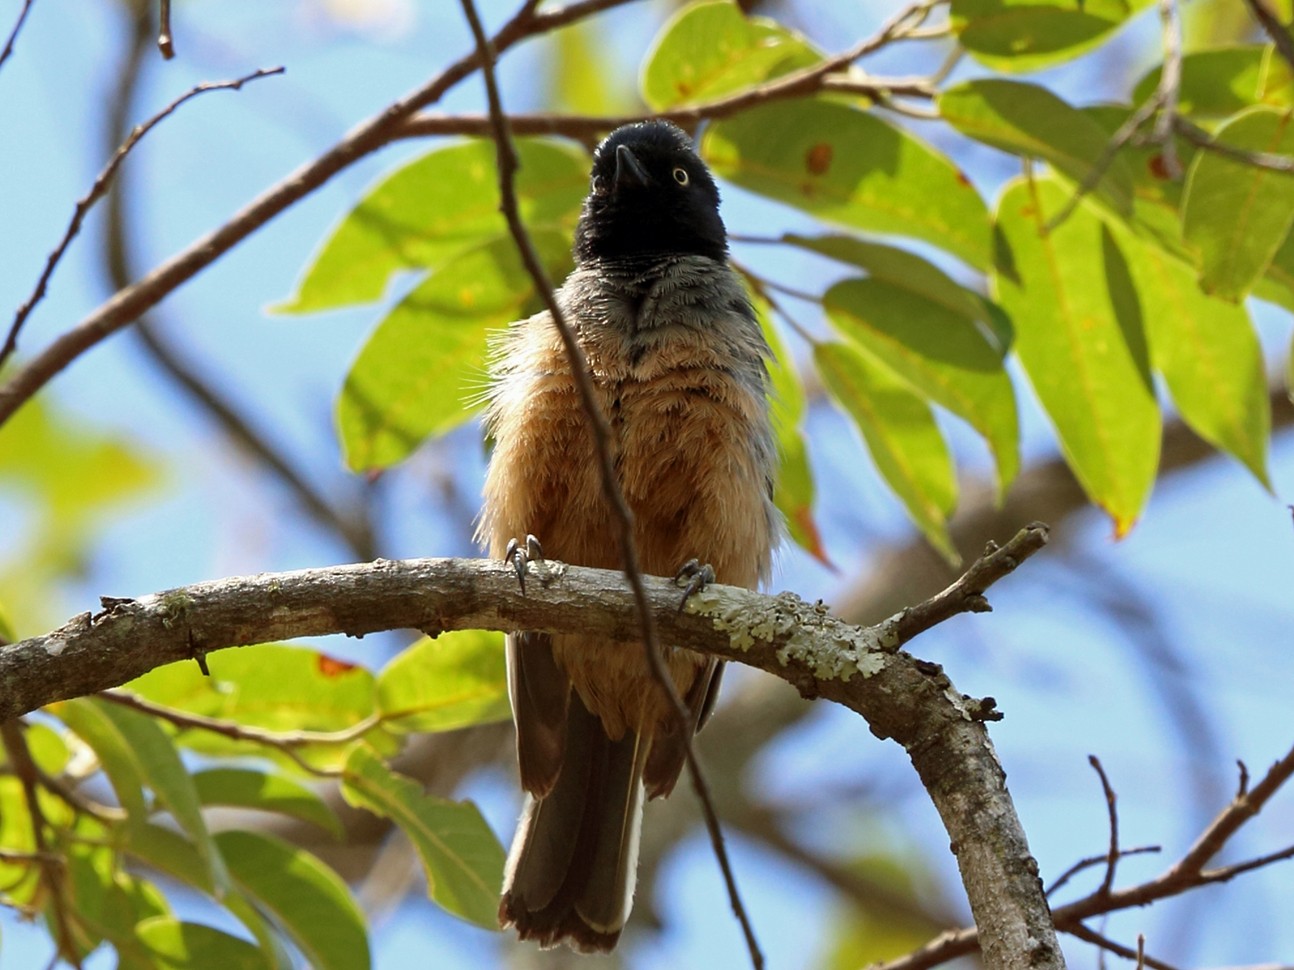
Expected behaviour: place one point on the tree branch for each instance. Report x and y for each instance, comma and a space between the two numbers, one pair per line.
100, 188
127, 304
860, 667
13, 34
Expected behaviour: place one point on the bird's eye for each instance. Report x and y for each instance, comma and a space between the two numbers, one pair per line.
681, 176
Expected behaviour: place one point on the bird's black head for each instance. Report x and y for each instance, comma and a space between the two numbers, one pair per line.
650, 194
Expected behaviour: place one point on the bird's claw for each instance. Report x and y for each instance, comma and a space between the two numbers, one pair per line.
698, 575
519, 556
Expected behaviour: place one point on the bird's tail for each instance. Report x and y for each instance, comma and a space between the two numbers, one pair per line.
571, 872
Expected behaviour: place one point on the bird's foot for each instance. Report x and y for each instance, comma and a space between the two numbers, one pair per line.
520, 555
699, 575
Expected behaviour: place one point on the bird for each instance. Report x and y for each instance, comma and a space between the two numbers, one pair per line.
679, 367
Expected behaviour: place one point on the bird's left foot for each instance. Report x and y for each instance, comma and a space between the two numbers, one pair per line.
520, 556
699, 575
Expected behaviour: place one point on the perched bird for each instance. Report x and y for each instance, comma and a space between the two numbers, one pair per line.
678, 363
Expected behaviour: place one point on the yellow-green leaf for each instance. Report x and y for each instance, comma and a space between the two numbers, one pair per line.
851, 168
305, 897
1028, 120
1209, 354
940, 352
1220, 81
245, 788
173, 944
433, 207
710, 49
1235, 215
1026, 35
793, 490
461, 856
901, 434
1080, 337
454, 681
422, 371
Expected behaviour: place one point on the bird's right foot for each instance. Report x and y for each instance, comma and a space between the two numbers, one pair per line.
520, 555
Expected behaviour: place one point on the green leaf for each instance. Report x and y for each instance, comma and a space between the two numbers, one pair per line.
91, 724
422, 370
1236, 215
462, 858
940, 352
1025, 35
707, 50
46, 746
304, 896
1219, 82
453, 681
176, 945
793, 490
433, 207
909, 271
1157, 198
1277, 286
19, 880
244, 788
270, 686
851, 168
901, 434
1079, 336
171, 853
1028, 120
1209, 354
162, 770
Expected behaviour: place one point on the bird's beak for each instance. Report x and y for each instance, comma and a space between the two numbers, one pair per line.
629, 171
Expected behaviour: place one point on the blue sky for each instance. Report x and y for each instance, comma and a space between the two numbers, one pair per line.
1212, 559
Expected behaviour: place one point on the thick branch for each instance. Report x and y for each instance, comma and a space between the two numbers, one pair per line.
861, 667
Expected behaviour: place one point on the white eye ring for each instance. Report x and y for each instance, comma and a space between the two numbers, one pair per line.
680, 175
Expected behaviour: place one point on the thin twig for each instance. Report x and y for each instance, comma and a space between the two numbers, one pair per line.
1169, 87
1089, 935
1112, 810
128, 304
352, 526
1163, 101
100, 187
13, 34
165, 39
1095, 860
1121, 137
20, 759
282, 740
1187, 873
508, 164
966, 595
1203, 139
1278, 32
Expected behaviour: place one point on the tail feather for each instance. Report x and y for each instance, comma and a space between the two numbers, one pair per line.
571, 872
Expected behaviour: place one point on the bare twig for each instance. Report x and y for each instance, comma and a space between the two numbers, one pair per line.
966, 595
1095, 860
1111, 807
1202, 139
100, 187
128, 304
20, 760
13, 34
282, 740
165, 39
352, 526
1278, 32
1187, 873
508, 164
1089, 935
1163, 101
1170, 83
